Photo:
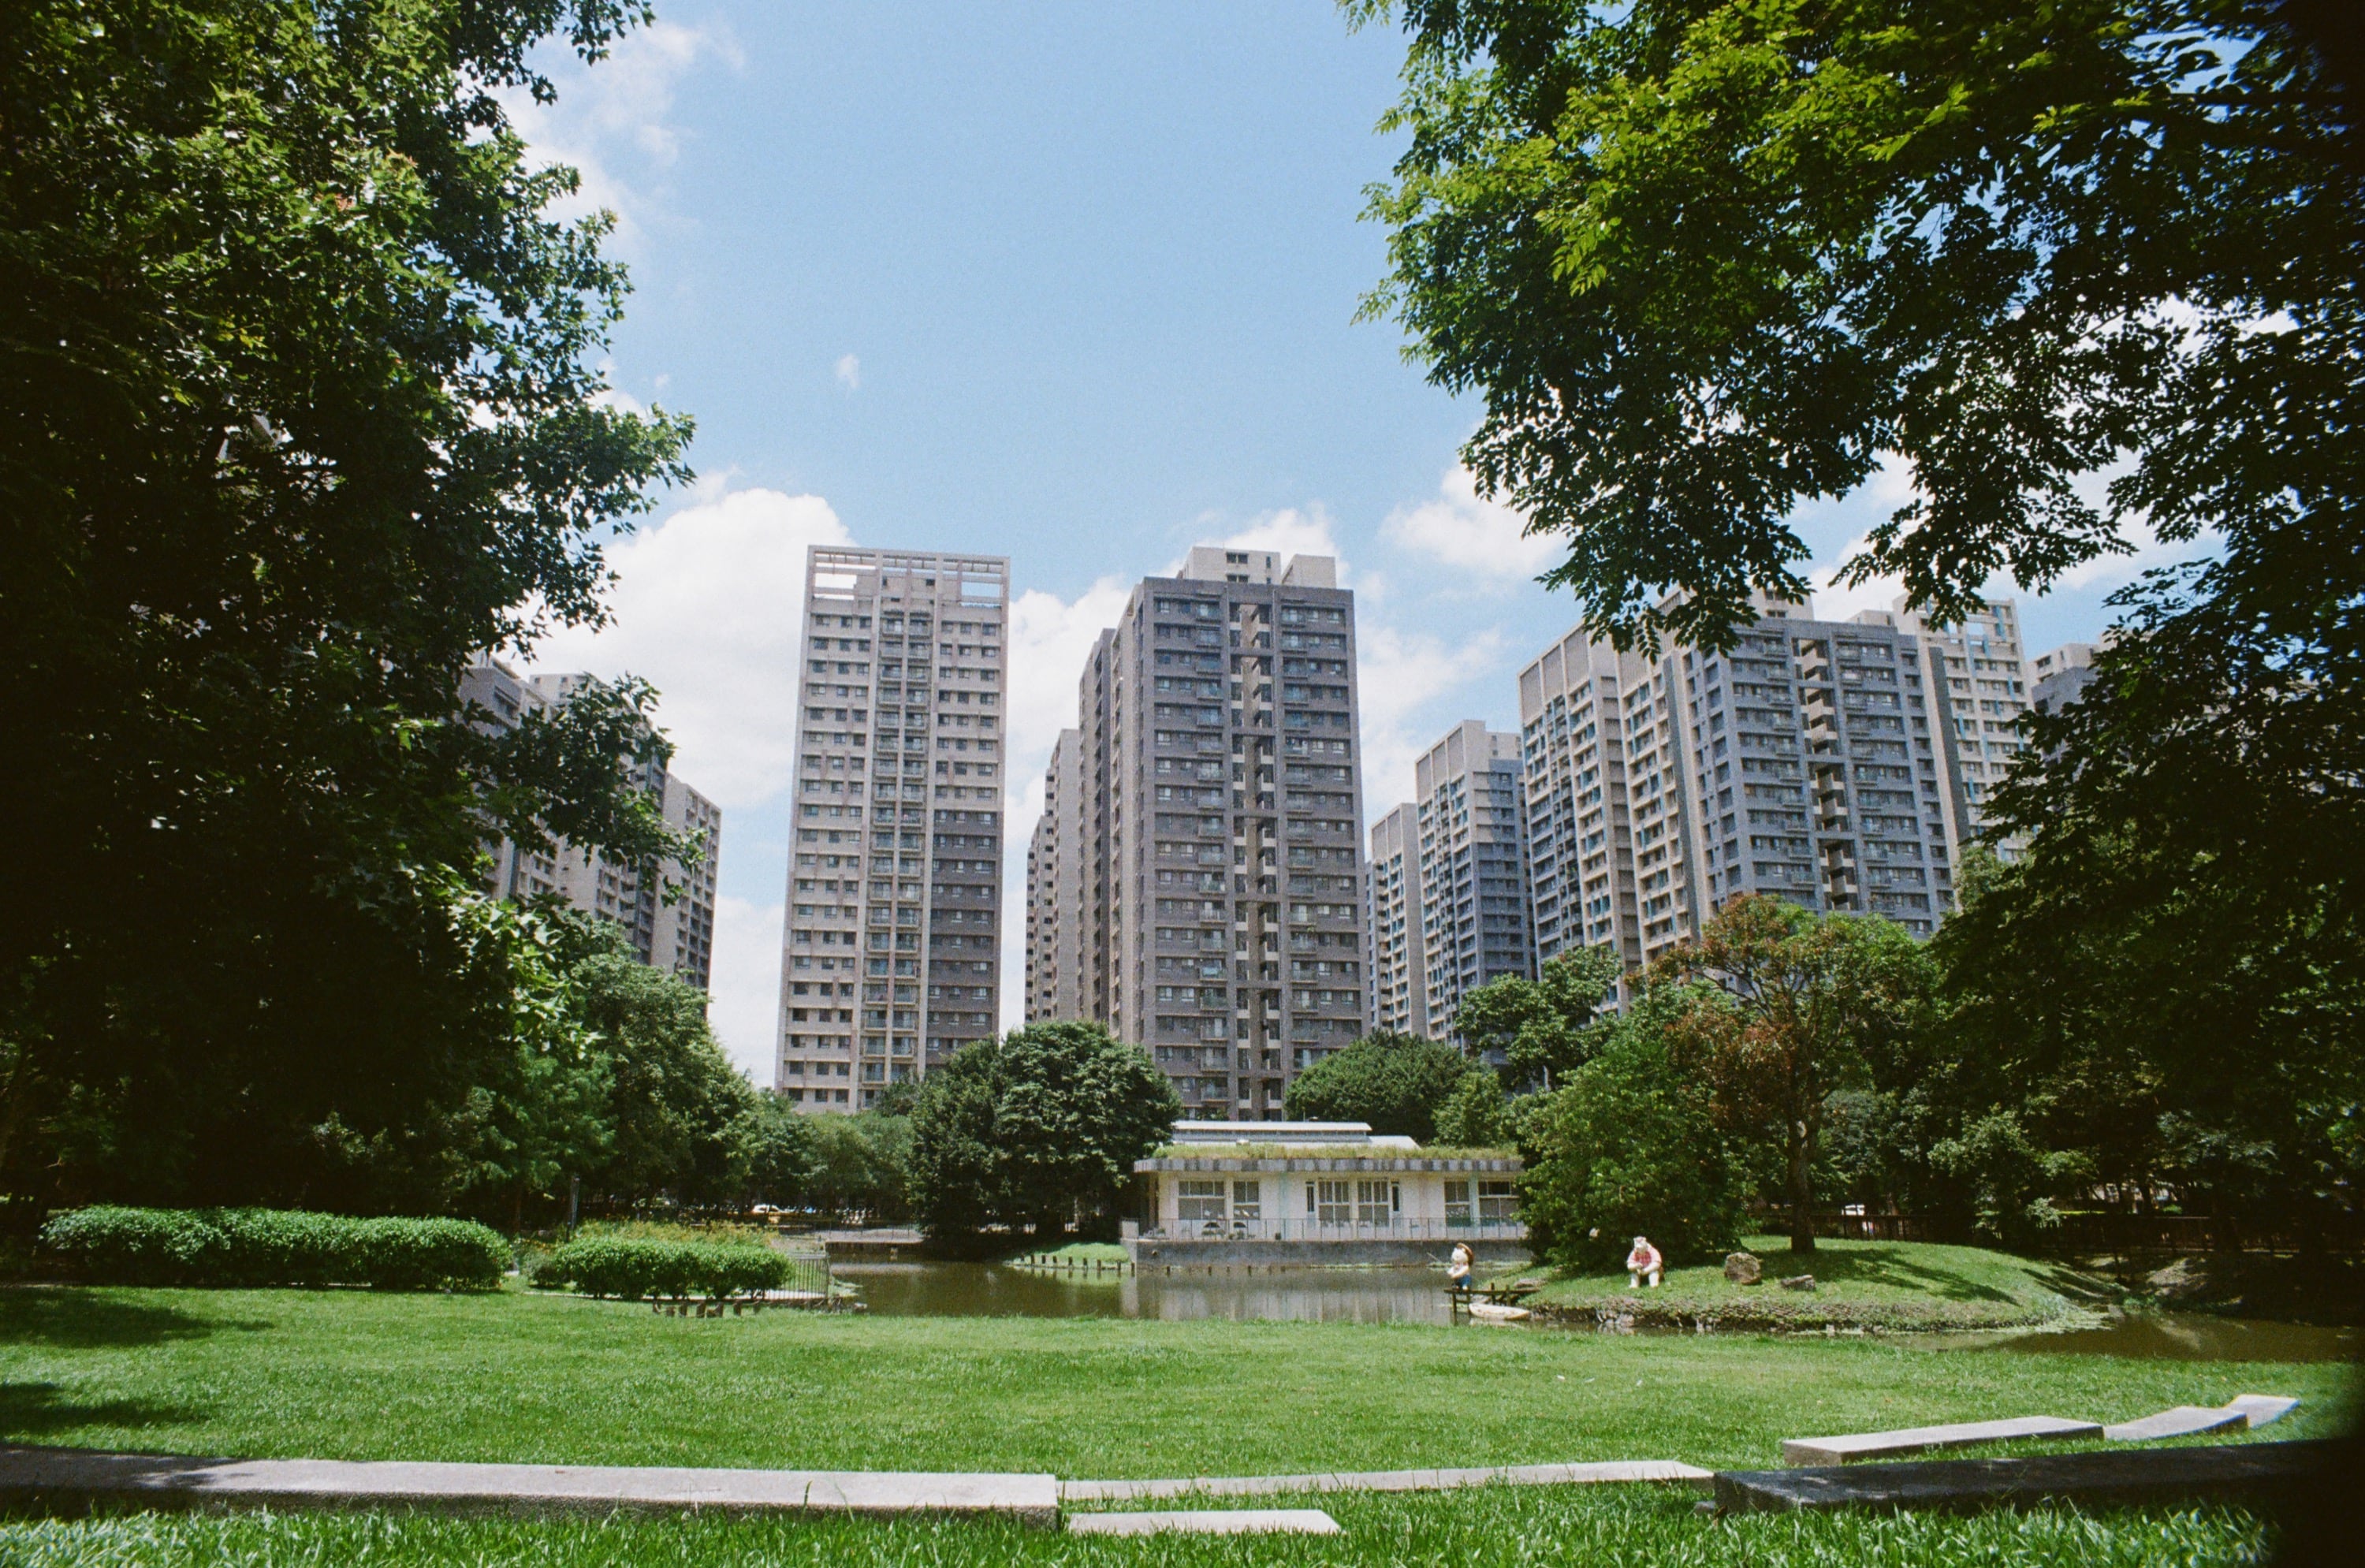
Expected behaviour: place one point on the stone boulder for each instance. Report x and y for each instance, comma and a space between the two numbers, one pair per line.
1799, 1282
1743, 1267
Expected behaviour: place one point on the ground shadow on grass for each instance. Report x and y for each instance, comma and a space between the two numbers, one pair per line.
1877, 1265
30, 1411
76, 1319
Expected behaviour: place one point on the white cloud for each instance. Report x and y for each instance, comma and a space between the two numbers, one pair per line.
1398, 675
611, 121
849, 373
1464, 530
709, 606
1291, 531
744, 995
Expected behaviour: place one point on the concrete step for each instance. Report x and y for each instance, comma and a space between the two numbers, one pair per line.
1916, 1439
1221, 1521
1609, 1471
2102, 1476
74, 1479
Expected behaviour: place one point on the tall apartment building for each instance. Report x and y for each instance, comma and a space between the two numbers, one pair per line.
893, 953
676, 937
1399, 954
1580, 839
1979, 684
1808, 763
2060, 678
1475, 920
1055, 885
1217, 828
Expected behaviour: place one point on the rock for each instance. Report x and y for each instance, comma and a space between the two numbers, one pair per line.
1799, 1282
1743, 1267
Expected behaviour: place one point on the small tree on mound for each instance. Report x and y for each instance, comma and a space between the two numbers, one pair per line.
1035, 1130
1393, 1081
1630, 1147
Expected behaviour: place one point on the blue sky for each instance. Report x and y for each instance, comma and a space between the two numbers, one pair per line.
1072, 284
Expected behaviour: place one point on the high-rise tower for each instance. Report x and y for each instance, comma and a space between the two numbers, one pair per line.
892, 958
1218, 844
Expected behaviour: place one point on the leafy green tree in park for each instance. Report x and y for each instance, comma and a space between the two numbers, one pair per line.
781, 1154
1393, 1081
298, 416
683, 1119
1803, 1000
2065, 270
1477, 1114
1033, 1131
1630, 1144
1546, 1027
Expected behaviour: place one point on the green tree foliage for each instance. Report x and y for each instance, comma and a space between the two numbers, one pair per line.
1705, 262
781, 1154
2162, 1020
297, 417
1547, 1027
1477, 1115
2069, 269
1631, 1145
1393, 1081
1034, 1131
1805, 1001
683, 1120
861, 1165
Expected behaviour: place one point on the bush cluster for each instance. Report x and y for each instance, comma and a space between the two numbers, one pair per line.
274, 1247
634, 1270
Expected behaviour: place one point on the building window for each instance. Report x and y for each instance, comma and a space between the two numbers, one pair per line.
1199, 1201
1457, 1202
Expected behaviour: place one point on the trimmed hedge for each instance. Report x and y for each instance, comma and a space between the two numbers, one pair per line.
275, 1247
634, 1270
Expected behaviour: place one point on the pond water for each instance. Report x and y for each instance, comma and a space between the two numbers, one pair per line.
1418, 1295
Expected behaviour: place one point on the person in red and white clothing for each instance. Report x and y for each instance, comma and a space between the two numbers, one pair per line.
1645, 1260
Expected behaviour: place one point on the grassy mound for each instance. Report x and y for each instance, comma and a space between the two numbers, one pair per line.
1889, 1286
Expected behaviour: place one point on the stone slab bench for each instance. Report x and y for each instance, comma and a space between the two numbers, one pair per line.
1186, 1522
2103, 1476
1917, 1439
76, 1479
1609, 1471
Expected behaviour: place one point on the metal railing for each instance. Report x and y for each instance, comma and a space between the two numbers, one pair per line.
1298, 1229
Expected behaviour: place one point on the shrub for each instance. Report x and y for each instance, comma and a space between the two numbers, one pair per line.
274, 1247
633, 1270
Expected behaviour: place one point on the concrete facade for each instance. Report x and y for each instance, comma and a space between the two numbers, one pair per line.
677, 938
1056, 964
1399, 955
1580, 836
1476, 922
1218, 850
892, 954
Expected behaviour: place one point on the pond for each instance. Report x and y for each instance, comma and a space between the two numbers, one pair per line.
1418, 1295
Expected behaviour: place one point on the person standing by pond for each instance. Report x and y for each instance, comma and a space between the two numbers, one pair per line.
1457, 1271
1644, 1260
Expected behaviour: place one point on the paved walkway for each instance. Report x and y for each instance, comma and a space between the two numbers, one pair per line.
82, 1476
1383, 1481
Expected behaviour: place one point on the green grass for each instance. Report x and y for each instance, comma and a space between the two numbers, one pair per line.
517, 1376
1625, 1528
1874, 1284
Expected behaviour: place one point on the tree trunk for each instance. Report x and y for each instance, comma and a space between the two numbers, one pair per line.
1803, 1191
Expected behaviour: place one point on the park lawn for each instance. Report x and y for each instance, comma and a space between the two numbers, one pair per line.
1601, 1528
519, 1377
1869, 1284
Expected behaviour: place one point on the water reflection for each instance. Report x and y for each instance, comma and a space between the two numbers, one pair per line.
1310, 1296
2174, 1336
1418, 1295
